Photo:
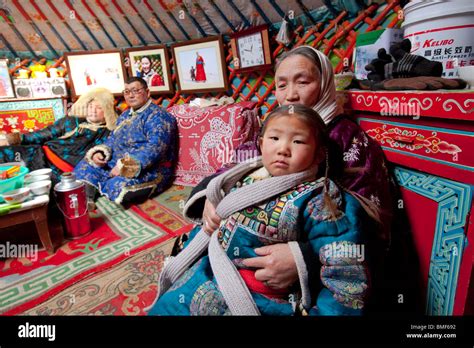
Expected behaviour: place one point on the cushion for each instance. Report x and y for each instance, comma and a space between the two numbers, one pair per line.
209, 136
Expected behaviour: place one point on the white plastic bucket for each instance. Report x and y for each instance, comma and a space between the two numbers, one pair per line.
441, 30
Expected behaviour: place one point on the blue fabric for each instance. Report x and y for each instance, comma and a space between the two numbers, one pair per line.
298, 214
70, 150
149, 137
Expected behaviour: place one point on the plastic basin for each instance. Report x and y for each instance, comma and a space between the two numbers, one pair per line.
13, 183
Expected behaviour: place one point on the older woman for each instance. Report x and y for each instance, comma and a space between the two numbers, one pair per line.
305, 76
63, 144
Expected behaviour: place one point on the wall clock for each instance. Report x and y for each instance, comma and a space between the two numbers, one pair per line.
251, 49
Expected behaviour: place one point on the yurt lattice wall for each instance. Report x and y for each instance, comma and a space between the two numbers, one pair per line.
335, 36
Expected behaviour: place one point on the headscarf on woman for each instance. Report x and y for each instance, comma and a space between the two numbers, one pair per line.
365, 175
326, 105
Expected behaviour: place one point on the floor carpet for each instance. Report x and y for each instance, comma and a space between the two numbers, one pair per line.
126, 289
119, 238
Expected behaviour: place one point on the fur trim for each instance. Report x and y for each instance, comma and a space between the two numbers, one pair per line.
104, 98
302, 274
105, 150
13, 138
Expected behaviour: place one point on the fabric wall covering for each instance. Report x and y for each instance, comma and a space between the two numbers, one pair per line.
41, 31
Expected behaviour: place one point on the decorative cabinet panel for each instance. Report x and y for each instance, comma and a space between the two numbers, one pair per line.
457, 105
429, 136
439, 228
30, 115
436, 150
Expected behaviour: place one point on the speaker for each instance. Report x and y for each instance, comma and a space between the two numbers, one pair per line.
22, 88
58, 87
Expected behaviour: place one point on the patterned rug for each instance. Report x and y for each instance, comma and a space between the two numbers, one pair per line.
126, 289
118, 236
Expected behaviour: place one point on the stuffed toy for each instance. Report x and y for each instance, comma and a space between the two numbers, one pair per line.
38, 71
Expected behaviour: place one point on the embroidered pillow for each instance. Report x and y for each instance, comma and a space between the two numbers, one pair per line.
209, 136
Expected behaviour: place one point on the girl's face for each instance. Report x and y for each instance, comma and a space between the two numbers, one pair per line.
297, 81
145, 65
288, 146
95, 113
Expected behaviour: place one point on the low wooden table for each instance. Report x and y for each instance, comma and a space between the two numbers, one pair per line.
37, 213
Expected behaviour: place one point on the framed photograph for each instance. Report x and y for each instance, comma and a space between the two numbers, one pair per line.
88, 70
6, 86
152, 64
200, 65
251, 49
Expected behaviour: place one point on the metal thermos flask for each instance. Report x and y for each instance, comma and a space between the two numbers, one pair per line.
71, 199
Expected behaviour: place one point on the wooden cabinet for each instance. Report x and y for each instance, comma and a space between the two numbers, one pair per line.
429, 137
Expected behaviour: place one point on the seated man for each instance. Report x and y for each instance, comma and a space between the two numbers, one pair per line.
138, 157
63, 144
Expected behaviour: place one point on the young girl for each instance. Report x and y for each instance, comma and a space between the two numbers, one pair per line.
276, 198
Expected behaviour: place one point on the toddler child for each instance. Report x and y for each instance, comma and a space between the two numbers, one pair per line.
280, 197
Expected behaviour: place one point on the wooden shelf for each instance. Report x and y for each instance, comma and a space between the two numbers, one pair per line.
445, 104
29, 99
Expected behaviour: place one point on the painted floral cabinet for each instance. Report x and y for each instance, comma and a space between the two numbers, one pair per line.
29, 115
429, 137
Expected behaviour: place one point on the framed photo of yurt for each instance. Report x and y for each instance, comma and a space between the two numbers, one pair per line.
152, 64
88, 70
6, 86
200, 65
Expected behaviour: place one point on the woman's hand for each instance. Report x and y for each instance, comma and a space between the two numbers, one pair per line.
115, 171
98, 159
277, 267
210, 219
3, 142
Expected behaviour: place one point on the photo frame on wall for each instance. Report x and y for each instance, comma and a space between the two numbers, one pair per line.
88, 70
200, 65
6, 85
152, 64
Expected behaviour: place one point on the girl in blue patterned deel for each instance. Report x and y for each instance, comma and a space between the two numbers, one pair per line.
276, 198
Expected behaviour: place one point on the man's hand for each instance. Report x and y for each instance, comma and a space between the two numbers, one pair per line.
210, 219
277, 266
98, 159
